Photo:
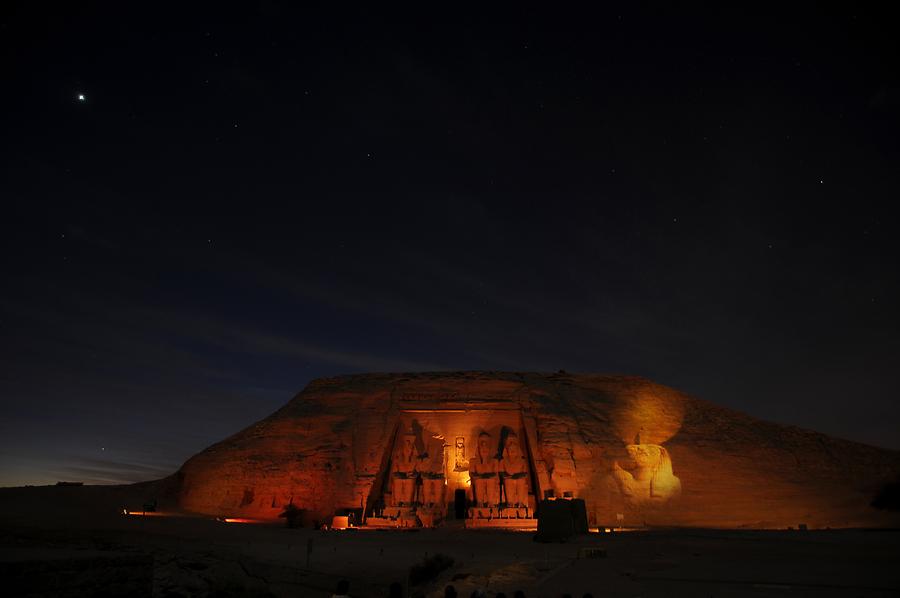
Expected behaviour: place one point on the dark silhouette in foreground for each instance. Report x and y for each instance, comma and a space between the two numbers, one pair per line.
888, 498
342, 590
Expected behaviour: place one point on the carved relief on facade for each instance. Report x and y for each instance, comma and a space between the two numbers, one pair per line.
460, 462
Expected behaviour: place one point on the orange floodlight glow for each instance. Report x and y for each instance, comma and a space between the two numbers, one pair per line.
239, 520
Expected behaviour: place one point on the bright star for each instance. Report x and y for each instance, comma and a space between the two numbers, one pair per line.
81, 97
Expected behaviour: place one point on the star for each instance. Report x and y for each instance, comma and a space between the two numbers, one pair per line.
81, 97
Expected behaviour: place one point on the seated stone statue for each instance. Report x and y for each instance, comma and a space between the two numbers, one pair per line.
403, 472
651, 480
483, 472
514, 472
431, 468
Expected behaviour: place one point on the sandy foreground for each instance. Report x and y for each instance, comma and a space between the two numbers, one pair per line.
77, 542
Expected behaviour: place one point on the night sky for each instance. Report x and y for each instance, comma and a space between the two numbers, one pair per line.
205, 209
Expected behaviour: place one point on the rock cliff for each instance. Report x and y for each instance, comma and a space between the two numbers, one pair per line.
637, 452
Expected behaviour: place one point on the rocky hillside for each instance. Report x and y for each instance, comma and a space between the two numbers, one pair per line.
636, 451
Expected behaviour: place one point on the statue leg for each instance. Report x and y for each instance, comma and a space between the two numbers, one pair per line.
494, 492
406, 487
397, 497
521, 492
434, 494
395, 492
428, 492
438, 493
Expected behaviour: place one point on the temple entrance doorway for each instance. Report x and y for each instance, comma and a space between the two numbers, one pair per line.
459, 504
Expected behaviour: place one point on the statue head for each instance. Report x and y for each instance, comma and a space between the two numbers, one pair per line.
645, 455
512, 450
656, 462
484, 446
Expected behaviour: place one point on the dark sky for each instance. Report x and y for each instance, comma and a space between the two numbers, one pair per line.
248, 199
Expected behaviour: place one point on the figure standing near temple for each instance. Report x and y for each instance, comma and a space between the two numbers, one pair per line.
403, 472
514, 472
483, 471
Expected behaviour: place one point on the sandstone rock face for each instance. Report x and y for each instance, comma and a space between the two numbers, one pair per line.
637, 452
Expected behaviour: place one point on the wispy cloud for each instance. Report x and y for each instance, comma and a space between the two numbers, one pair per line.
247, 338
101, 471
122, 329
82, 469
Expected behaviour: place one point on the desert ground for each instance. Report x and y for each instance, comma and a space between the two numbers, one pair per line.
76, 541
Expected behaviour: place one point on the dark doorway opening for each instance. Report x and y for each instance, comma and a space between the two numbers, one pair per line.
459, 504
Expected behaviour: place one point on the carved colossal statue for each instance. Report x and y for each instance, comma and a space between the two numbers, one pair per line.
431, 469
483, 472
514, 471
652, 479
404, 472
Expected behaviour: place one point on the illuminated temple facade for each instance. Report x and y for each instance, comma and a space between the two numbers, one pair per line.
484, 448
